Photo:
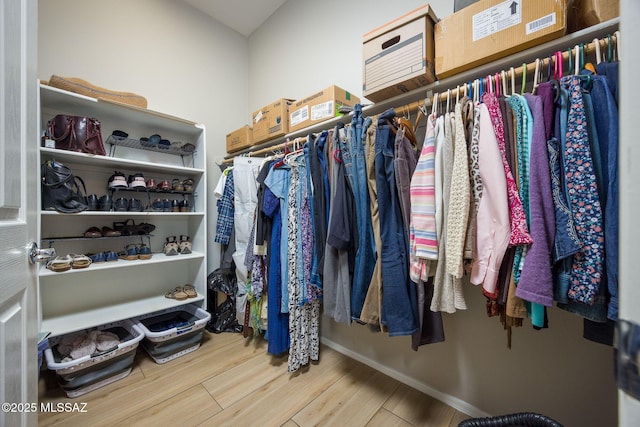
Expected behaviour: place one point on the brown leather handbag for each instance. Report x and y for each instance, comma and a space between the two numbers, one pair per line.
76, 133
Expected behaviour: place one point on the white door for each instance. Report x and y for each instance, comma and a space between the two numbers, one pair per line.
18, 206
629, 408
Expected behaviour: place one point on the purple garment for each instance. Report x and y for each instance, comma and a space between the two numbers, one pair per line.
536, 281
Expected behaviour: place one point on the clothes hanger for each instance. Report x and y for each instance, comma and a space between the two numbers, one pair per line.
476, 91
524, 78
503, 78
558, 71
596, 44
434, 104
281, 162
448, 100
609, 49
513, 80
617, 36
536, 76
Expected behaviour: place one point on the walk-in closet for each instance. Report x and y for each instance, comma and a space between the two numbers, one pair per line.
298, 244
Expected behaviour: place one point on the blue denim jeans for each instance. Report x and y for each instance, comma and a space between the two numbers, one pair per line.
353, 157
399, 299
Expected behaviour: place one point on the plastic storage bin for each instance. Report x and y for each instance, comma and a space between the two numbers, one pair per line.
173, 332
88, 373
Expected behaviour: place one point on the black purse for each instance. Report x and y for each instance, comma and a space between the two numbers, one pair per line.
60, 189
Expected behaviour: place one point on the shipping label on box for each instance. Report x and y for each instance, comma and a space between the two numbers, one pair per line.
490, 29
399, 56
240, 139
271, 121
319, 107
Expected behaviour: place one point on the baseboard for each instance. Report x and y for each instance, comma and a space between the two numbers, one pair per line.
452, 401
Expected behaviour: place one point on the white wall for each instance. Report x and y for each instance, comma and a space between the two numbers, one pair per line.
308, 45
185, 63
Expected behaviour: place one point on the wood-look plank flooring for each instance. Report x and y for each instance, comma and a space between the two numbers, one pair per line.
232, 381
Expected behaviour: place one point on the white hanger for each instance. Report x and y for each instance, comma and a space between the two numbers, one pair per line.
513, 80
434, 104
596, 44
617, 37
536, 76
503, 80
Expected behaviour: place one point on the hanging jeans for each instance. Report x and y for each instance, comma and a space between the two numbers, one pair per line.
353, 156
399, 299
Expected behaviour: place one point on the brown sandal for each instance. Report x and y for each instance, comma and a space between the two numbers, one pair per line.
177, 294
190, 291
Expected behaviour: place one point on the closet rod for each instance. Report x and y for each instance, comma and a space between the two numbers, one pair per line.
442, 96
588, 48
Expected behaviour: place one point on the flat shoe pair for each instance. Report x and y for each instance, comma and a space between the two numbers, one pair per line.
181, 293
67, 262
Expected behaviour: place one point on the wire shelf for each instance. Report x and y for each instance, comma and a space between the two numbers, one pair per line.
116, 141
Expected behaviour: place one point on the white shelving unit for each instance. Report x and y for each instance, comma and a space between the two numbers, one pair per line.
112, 291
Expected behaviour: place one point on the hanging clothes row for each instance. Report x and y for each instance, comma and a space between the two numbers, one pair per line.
516, 191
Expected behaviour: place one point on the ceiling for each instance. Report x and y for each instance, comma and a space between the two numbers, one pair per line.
244, 16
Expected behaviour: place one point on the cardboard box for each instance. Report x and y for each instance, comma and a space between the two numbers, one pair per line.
491, 29
240, 139
271, 121
585, 13
319, 107
399, 56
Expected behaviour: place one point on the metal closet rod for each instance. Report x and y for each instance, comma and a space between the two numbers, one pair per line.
593, 47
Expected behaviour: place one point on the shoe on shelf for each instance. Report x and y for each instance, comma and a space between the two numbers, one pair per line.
118, 180
105, 202
157, 205
164, 185
184, 206
99, 257
177, 294
93, 202
188, 185
190, 291
144, 252
80, 261
166, 205
110, 232
126, 228
120, 205
176, 184
136, 181
110, 256
134, 205
152, 184
145, 228
175, 206
171, 247
93, 232
130, 252
60, 263
185, 245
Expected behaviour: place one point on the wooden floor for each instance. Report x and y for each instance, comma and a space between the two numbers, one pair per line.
233, 381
